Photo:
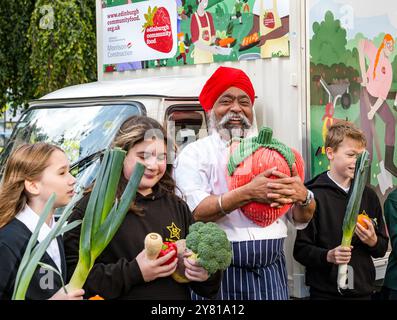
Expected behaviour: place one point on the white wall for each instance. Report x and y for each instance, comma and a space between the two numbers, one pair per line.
280, 85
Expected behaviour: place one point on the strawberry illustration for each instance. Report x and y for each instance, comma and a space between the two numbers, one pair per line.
157, 29
269, 20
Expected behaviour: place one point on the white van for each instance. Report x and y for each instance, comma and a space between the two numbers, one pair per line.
83, 119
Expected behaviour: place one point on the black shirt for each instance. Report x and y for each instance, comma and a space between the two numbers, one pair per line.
14, 238
116, 274
324, 233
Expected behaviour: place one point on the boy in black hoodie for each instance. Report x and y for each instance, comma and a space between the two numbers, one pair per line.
318, 246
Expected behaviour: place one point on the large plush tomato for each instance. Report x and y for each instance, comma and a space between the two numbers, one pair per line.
252, 156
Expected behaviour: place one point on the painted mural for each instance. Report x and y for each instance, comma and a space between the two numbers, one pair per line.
207, 31
353, 76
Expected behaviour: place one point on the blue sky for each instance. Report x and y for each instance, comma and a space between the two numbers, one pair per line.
358, 16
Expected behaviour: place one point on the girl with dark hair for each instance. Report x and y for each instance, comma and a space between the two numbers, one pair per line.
123, 270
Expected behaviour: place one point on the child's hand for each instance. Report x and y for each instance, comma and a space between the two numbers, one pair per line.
339, 255
153, 269
193, 271
368, 236
71, 295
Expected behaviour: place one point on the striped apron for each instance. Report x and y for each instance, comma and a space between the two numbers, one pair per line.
257, 272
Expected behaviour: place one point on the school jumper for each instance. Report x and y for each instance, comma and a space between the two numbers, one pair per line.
116, 274
324, 233
14, 238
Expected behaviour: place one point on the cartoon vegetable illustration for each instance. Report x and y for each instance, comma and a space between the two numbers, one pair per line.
211, 249
227, 42
224, 38
157, 29
250, 39
352, 209
252, 156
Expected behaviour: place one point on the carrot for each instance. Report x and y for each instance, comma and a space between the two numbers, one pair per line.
226, 41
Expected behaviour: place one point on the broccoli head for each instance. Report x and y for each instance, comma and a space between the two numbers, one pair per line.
211, 245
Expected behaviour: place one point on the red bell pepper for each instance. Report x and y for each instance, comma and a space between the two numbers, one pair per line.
167, 247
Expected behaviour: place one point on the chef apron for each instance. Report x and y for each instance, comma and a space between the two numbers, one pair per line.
269, 21
257, 272
202, 56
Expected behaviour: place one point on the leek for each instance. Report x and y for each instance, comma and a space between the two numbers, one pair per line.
361, 172
104, 214
35, 251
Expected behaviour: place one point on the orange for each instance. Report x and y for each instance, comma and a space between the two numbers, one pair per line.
96, 298
363, 219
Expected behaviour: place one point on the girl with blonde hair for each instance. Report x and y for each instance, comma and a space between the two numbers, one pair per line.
32, 173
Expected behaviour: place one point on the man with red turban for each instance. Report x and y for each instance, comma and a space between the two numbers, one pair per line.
258, 270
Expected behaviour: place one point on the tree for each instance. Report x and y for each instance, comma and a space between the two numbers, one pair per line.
15, 75
62, 37
328, 45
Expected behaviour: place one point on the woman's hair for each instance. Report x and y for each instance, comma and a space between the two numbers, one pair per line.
135, 130
386, 38
27, 162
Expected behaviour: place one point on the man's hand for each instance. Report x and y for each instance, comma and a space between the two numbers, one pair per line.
286, 189
258, 189
368, 236
340, 255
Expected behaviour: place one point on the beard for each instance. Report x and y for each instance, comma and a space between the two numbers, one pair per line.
229, 130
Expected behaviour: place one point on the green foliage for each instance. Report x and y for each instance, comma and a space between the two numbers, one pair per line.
15, 76
353, 43
328, 45
62, 37
211, 245
394, 67
219, 11
44, 45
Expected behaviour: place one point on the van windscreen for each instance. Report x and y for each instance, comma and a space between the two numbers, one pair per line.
80, 131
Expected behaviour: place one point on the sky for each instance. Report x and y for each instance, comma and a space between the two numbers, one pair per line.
366, 16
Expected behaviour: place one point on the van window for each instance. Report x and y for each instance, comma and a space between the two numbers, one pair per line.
186, 125
81, 131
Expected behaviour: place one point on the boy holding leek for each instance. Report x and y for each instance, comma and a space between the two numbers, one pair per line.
318, 247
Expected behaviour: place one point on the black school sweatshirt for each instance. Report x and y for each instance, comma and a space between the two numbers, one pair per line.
324, 233
116, 274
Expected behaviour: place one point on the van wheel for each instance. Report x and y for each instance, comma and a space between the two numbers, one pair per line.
346, 100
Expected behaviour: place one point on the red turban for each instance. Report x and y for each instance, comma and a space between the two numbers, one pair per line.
222, 79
